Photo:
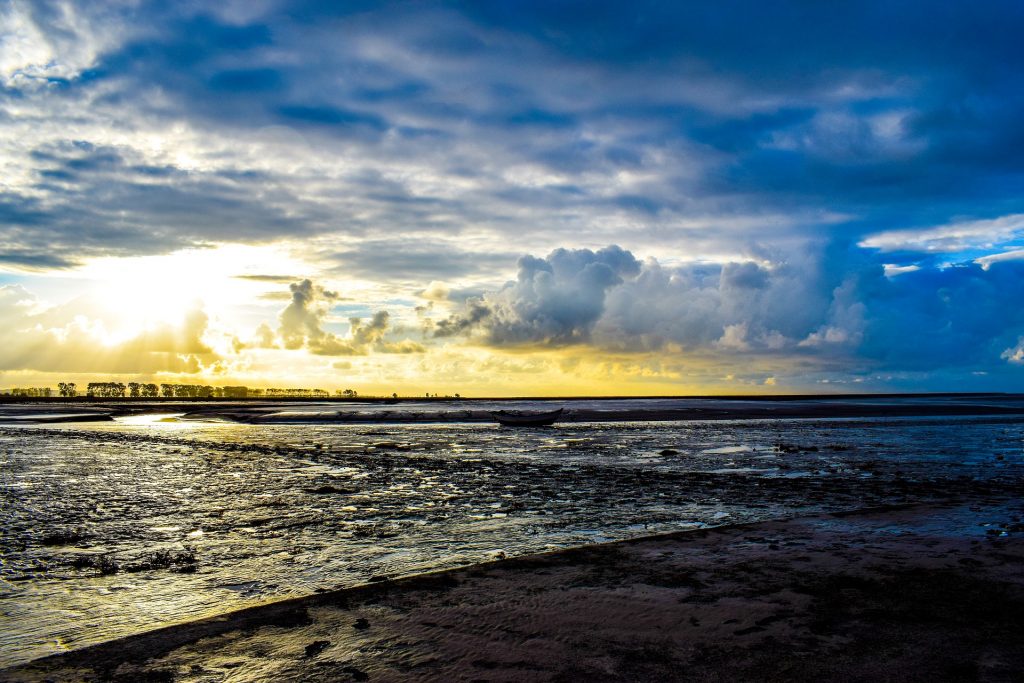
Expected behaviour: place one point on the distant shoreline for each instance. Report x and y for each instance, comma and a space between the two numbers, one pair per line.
4, 398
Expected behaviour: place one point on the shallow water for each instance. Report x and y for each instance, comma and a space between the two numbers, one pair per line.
112, 528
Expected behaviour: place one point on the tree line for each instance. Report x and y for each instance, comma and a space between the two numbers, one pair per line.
32, 392
150, 390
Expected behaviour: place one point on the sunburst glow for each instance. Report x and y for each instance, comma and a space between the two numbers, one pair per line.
141, 293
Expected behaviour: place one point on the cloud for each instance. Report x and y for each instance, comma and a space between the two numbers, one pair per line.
267, 278
831, 307
184, 339
196, 124
438, 140
415, 261
1012, 255
264, 337
47, 43
302, 326
302, 319
435, 291
1015, 354
48, 340
951, 238
553, 301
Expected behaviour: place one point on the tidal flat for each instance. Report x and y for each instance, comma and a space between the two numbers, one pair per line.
156, 517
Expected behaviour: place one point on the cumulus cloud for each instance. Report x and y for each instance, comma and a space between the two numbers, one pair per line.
835, 305
302, 326
611, 299
553, 301
1015, 354
302, 319
736, 305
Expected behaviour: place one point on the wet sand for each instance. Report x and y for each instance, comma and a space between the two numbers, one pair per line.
912, 593
423, 411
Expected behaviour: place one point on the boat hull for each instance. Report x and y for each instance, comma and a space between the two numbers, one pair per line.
510, 419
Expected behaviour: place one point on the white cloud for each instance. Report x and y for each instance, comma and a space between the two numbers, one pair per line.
949, 238
42, 41
1012, 255
302, 326
734, 338
1015, 354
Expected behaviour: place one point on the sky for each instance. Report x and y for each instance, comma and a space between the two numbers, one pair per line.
514, 198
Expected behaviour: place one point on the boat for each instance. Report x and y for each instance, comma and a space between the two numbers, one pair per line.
518, 418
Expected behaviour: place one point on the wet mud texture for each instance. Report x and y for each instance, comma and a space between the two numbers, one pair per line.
408, 410
113, 530
899, 593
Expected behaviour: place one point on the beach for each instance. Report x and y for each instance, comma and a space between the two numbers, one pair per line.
157, 545
912, 593
511, 341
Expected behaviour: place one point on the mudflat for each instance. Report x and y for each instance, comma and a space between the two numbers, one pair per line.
425, 411
907, 593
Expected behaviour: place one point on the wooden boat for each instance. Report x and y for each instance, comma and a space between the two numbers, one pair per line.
517, 418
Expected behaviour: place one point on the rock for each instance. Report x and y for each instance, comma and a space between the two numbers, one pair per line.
316, 647
361, 624
326, 489
357, 674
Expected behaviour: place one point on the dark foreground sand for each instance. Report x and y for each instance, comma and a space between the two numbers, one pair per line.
911, 594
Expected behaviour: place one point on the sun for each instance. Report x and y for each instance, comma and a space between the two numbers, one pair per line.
135, 294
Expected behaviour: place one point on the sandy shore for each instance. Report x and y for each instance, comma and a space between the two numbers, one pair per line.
925, 593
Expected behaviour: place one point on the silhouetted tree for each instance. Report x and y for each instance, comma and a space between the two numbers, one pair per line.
67, 389
31, 392
105, 389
